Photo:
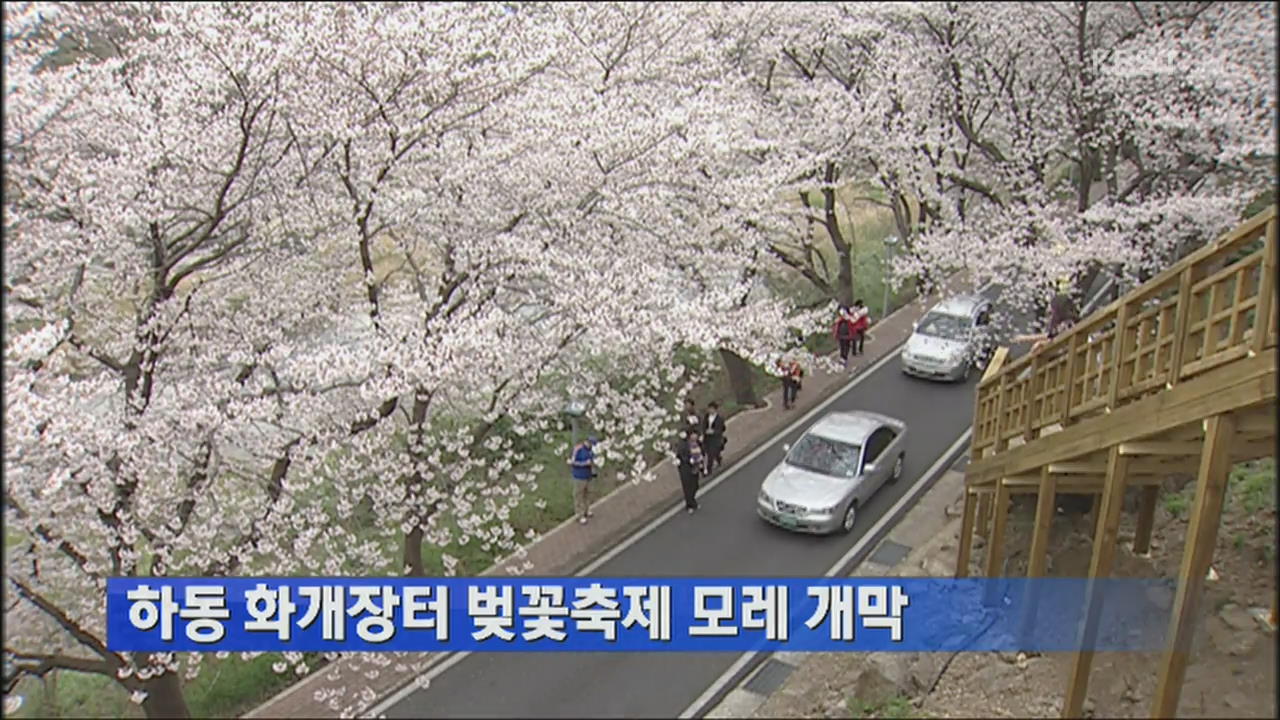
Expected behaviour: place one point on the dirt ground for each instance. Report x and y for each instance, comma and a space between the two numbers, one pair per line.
1233, 665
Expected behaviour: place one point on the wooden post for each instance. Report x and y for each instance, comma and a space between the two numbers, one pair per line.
1202, 535
999, 518
1069, 383
1123, 347
1146, 520
984, 515
1045, 506
1104, 553
1097, 514
1001, 392
966, 533
1262, 319
1028, 424
1038, 561
1182, 324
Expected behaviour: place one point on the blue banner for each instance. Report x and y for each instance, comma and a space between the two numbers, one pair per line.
632, 614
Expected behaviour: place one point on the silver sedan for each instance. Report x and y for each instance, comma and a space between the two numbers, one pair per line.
833, 470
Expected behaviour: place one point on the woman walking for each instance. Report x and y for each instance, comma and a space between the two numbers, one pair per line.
690, 465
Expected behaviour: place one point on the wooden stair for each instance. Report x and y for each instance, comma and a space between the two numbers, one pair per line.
1177, 375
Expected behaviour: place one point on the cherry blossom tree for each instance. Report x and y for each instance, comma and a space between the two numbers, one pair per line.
1034, 140
320, 274
1073, 136
146, 172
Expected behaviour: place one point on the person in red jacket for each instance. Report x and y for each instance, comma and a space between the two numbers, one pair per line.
845, 331
861, 321
792, 374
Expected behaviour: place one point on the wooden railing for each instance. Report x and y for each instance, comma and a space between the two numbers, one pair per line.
1212, 307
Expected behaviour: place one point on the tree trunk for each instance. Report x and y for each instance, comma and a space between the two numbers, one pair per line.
844, 249
844, 279
165, 698
412, 560
740, 379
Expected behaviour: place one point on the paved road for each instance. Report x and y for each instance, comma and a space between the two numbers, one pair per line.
725, 538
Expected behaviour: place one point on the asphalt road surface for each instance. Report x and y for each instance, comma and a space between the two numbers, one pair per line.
724, 538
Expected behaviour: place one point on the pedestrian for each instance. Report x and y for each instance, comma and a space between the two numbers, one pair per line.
792, 376
713, 438
1062, 315
691, 419
844, 331
583, 471
861, 321
689, 462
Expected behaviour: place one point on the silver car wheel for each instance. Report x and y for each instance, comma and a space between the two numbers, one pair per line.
850, 517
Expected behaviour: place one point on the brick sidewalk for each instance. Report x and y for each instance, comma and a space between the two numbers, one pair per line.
339, 690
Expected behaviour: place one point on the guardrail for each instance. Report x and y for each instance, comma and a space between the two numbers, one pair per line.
1214, 306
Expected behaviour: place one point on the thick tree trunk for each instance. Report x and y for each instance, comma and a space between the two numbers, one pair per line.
740, 379
844, 279
844, 249
165, 698
412, 559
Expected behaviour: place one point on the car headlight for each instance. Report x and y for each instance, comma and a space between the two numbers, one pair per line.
765, 497
827, 510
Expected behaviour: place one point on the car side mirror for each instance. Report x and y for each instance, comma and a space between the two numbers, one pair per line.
786, 447
915, 325
868, 468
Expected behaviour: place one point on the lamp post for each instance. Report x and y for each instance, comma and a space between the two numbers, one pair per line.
889, 244
574, 409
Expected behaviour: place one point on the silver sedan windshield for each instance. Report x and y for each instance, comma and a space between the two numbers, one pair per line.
947, 327
824, 455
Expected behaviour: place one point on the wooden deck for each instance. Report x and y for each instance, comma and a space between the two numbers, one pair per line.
1177, 375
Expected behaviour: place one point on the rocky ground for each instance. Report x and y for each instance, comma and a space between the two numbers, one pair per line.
1232, 671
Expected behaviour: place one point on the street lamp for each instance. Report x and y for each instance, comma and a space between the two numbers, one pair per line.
574, 409
889, 243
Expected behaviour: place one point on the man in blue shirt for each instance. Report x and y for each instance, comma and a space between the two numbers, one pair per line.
583, 470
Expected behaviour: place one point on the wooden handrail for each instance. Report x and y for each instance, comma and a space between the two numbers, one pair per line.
1205, 310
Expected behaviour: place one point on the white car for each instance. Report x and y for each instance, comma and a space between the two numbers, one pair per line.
950, 340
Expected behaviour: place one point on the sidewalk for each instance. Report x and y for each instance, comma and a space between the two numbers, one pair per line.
353, 684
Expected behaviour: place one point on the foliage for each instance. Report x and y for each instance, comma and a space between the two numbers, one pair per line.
1025, 142
1253, 485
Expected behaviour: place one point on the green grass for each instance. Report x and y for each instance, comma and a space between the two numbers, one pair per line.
894, 708
224, 688
866, 225
1253, 485
1176, 503
74, 695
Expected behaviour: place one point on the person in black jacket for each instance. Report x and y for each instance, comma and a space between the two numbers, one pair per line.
713, 438
689, 463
